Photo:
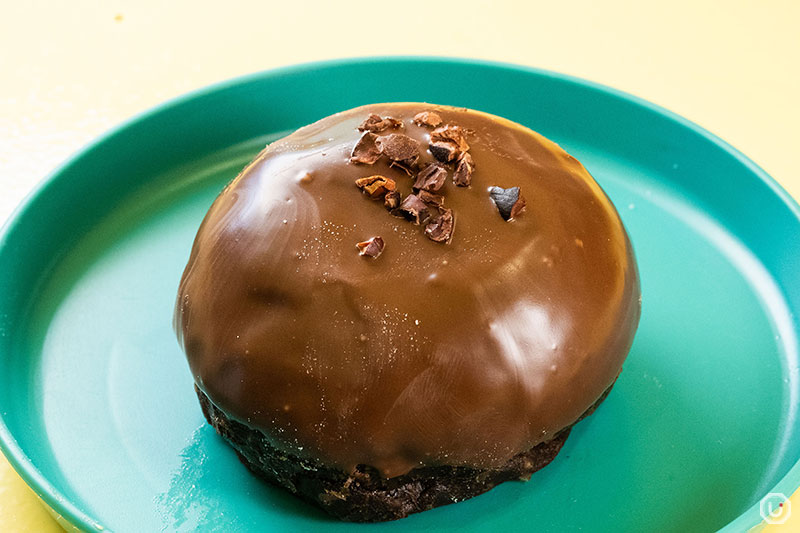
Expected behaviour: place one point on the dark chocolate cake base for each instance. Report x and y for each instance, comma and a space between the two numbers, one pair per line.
365, 496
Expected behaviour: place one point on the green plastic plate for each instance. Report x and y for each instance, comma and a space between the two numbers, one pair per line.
98, 411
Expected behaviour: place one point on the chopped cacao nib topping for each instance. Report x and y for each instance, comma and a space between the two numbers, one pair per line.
448, 143
391, 200
463, 173
427, 118
451, 134
376, 124
408, 166
398, 147
440, 229
443, 151
413, 209
376, 186
366, 150
431, 178
371, 247
508, 201
432, 200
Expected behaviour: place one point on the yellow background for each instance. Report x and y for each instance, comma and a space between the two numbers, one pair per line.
71, 70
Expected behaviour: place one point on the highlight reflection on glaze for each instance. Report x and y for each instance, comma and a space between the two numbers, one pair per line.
460, 353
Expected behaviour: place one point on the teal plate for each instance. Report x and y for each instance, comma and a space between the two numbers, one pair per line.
98, 412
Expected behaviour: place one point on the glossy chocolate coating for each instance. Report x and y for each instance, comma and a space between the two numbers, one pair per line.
459, 353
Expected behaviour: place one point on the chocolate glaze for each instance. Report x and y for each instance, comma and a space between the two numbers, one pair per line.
458, 353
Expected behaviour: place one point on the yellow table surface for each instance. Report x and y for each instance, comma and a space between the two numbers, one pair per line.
71, 70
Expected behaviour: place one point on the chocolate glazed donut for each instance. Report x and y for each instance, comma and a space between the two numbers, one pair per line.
403, 305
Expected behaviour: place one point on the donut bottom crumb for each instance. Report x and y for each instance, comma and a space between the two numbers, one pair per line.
365, 496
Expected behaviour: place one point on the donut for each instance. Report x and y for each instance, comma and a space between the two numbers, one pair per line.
402, 305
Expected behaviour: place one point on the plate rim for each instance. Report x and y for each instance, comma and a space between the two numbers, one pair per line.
67, 513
